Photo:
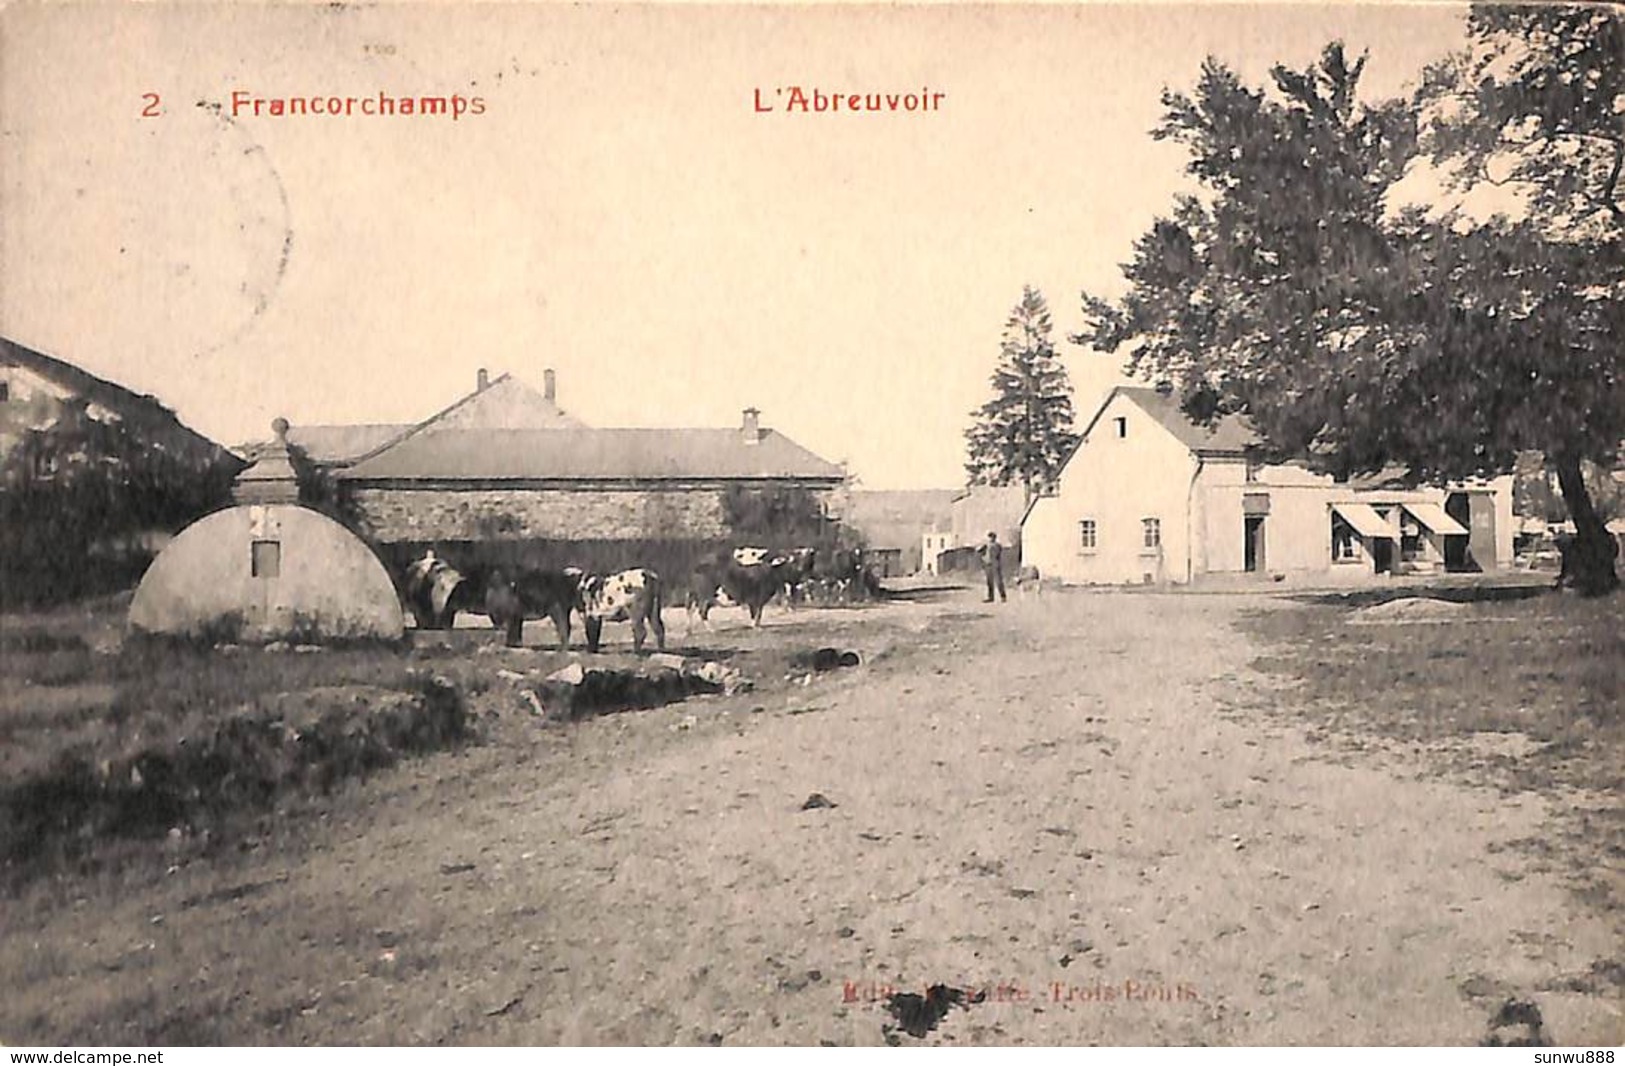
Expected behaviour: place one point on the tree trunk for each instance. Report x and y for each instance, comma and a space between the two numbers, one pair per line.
1588, 559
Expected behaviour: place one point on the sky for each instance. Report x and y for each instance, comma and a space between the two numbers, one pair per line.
620, 211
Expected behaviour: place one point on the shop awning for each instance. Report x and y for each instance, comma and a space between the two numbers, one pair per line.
1366, 521
1433, 516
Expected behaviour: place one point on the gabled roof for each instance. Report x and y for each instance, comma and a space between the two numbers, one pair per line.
505, 403
139, 411
1228, 435
592, 454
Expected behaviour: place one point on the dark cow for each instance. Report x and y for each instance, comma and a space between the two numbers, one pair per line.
838, 575
435, 591
629, 596
512, 598
752, 577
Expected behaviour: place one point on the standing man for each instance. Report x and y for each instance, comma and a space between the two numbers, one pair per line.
993, 566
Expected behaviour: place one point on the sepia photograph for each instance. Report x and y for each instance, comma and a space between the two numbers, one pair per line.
812, 525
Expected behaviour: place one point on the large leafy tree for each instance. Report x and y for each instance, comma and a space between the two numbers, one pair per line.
1535, 105
1023, 435
1356, 333
1265, 292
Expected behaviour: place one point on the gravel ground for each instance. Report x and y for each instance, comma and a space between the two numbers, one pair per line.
1075, 804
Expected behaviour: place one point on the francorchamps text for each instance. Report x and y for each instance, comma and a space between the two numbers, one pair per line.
793, 99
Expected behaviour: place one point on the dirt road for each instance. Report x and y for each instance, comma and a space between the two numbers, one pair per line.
1075, 803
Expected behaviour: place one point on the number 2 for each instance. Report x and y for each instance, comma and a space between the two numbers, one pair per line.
151, 110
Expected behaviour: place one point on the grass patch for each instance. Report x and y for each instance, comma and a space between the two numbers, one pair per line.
96, 746
1548, 668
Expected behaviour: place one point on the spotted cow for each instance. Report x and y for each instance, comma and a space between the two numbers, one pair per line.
628, 596
435, 591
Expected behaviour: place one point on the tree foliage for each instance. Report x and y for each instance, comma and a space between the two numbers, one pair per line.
775, 515
1534, 103
74, 495
1356, 332
1023, 435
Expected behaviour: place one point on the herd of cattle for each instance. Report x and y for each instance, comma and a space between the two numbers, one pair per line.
437, 591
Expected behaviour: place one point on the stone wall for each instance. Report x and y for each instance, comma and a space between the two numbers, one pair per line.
389, 515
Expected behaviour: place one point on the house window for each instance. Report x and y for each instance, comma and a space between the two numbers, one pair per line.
265, 558
1122, 426
5, 391
1345, 542
1086, 535
1152, 528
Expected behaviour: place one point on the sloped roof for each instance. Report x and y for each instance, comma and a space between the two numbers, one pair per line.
1228, 434
591, 454
506, 403
139, 410
333, 445
993, 496
898, 518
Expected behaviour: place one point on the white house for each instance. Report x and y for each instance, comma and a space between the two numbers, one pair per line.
932, 545
1150, 497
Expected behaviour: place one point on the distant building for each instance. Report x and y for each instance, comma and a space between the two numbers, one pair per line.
1151, 497
933, 545
984, 509
893, 525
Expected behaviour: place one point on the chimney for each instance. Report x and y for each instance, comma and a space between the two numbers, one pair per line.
751, 429
550, 385
481, 380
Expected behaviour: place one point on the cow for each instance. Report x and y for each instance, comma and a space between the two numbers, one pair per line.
837, 575
797, 574
435, 591
628, 596
751, 577
511, 598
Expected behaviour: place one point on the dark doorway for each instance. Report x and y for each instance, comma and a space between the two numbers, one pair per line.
1382, 555
1253, 544
1458, 555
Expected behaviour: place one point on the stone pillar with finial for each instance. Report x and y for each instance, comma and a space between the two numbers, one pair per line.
271, 477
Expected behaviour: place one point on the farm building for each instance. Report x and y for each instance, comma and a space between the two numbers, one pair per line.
893, 524
321, 452
94, 477
267, 569
1149, 496
505, 473
53, 416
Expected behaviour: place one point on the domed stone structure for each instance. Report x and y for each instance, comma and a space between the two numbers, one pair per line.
268, 570
264, 572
